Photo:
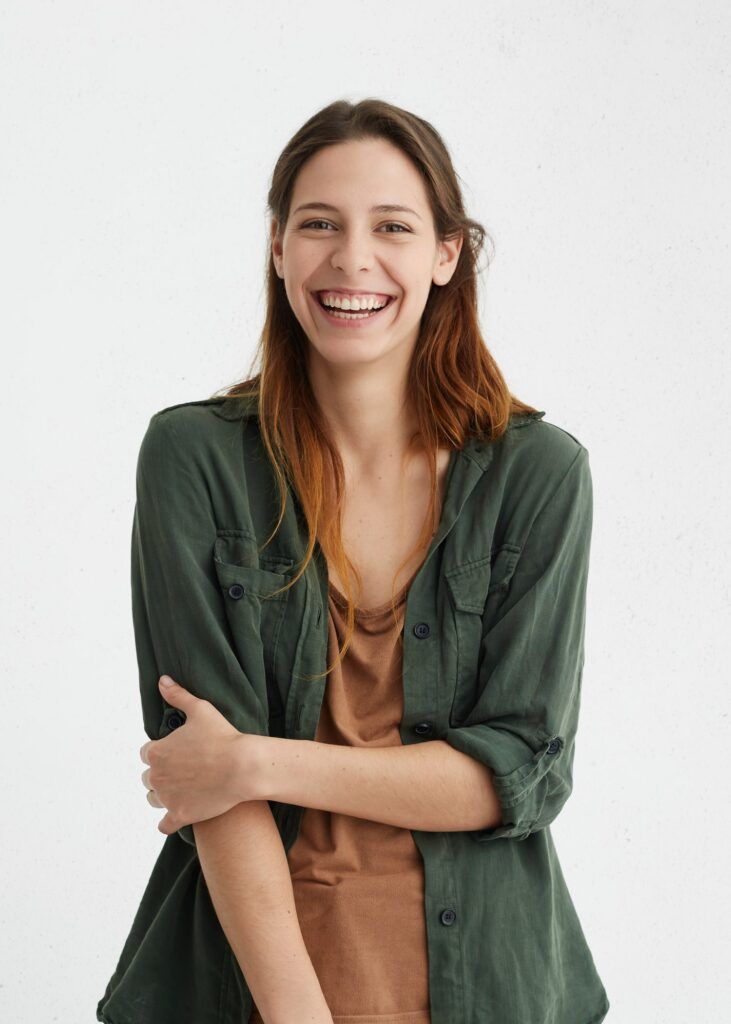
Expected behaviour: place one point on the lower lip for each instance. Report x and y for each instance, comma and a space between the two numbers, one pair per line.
337, 321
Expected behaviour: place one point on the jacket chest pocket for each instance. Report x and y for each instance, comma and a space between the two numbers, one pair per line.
475, 589
255, 613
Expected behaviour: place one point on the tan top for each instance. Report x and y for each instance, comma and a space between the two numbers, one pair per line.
358, 884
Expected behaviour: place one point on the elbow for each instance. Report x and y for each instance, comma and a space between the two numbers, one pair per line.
522, 816
489, 808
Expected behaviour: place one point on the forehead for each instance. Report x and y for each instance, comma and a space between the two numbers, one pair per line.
353, 176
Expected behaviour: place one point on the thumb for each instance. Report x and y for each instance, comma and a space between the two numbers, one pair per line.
175, 694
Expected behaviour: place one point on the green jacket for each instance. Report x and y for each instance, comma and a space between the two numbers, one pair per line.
493, 656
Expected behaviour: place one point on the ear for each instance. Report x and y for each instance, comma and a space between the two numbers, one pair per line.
449, 250
276, 243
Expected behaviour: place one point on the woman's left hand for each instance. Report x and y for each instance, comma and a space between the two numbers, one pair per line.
203, 768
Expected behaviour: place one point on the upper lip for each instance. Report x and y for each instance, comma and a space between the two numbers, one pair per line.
355, 291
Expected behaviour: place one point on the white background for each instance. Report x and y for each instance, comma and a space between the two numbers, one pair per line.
592, 141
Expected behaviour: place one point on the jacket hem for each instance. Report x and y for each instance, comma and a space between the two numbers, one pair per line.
599, 1017
101, 1016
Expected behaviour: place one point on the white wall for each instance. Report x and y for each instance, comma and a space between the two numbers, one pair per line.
593, 143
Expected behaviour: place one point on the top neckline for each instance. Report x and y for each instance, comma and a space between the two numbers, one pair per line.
378, 609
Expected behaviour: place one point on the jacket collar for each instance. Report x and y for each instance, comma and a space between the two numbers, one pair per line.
235, 407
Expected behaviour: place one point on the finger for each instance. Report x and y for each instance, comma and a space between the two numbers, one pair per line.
153, 800
144, 750
176, 694
165, 826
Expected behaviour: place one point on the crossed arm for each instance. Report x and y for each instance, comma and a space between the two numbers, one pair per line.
426, 786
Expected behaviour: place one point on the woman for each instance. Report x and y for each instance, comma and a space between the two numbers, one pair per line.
364, 570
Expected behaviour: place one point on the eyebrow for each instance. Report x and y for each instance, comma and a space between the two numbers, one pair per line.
381, 208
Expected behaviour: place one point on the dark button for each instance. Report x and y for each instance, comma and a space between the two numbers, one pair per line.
236, 591
448, 917
423, 728
421, 629
175, 720
553, 746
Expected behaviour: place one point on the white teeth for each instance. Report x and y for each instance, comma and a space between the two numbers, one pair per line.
355, 302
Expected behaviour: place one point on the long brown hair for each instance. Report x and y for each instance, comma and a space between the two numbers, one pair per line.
454, 384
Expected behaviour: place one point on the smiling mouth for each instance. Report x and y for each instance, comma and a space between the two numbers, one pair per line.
345, 315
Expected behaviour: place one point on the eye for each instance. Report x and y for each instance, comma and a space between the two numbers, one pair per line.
391, 224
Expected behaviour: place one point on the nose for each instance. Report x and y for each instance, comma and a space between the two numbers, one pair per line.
352, 252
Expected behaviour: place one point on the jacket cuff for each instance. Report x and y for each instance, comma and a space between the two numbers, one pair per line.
518, 770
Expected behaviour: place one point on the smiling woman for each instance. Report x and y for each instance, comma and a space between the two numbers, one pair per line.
366, 566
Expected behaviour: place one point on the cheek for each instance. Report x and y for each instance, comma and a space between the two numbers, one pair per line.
414, 274
291, 297
416, 293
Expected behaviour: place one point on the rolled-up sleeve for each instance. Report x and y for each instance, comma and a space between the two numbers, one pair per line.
179, 618
524, 724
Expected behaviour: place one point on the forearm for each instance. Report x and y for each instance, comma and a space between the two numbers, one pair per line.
427, 786
246, 871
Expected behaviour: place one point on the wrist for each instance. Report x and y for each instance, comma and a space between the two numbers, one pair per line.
253, 767
277, 767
